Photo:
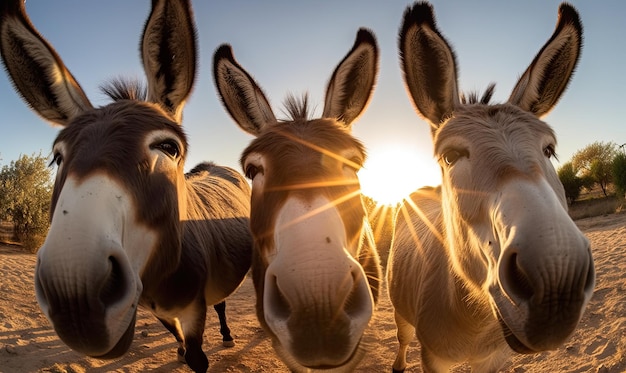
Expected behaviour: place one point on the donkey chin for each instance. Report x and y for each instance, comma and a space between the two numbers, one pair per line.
99, 325
94, 342
309, 364
530, 328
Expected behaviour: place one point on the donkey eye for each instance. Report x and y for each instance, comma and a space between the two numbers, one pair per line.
57, 159
354, 163
549, 151
252, 170
451, 156
168, 147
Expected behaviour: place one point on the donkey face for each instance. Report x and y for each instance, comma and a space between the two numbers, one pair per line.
115, 212
115, 208
315, 269
508, 233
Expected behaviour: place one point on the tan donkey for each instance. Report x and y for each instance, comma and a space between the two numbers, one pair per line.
490, 261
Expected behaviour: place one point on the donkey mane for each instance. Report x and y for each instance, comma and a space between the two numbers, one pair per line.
125, 89
213, 169
297, 108
471, 98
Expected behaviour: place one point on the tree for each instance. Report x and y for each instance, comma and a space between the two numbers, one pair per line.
595, 162
619, 173
382, 220
25, 193
571, 182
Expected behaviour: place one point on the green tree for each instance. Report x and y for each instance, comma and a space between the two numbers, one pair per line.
595, 162
619, 173
25, 193
571, 182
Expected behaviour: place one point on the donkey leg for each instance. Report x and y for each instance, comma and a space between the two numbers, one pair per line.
227, 340
405, 334
192, 324
431, 363
491, 363
172, 327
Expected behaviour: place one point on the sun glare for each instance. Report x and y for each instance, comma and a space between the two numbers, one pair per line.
391, 174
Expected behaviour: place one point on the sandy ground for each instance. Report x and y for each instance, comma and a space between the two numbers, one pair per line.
28, 344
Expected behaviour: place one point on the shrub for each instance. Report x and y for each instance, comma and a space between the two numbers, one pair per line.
594, 162
571, 182
25, 193
619, 174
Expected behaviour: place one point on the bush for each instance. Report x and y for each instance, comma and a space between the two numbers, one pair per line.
33, 241
571, 183
25, 193
619, 174
594, 162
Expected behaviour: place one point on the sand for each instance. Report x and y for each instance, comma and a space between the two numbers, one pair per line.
28, 343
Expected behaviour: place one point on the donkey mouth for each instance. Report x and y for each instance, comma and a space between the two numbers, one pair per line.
123, 344
513, 342
351, 361
346, 366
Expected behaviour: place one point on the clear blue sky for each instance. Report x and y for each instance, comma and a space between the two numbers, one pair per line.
293, 46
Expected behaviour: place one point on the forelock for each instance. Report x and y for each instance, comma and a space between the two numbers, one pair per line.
125, 89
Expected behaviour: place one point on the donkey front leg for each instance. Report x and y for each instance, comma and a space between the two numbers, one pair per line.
192, 323
405, 335
172, 327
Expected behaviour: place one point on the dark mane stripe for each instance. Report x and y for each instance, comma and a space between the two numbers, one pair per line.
125, 89
297, 108
471, 98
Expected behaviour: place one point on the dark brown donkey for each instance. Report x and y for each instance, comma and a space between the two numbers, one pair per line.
128, 226
315, 267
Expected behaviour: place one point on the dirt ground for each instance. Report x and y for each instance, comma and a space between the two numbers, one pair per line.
28, 343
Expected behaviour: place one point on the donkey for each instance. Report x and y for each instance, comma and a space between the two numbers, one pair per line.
490, 260
128, 226
315, 267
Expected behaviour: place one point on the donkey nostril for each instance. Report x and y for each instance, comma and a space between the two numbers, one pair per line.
517, 283
358, 298
275, 303
114, 283
40, 290
591, 277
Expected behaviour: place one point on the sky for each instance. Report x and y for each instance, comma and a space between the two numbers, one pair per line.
293, 46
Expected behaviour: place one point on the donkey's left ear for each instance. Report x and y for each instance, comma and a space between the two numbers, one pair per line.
168, 51
352, 83
547, 77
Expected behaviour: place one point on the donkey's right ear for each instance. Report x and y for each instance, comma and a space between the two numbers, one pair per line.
36, 70
243, 98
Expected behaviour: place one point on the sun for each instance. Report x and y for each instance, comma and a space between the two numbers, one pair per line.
391, 174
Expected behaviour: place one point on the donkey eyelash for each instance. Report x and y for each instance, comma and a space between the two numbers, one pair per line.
57, 158
252, 170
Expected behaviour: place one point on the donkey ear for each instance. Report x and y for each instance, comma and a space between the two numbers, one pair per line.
429, 65
545, 80
168, 52
243, 98
352, 83
36, 70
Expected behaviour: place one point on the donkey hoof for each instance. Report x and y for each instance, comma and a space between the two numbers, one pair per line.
180, 355
230, 343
